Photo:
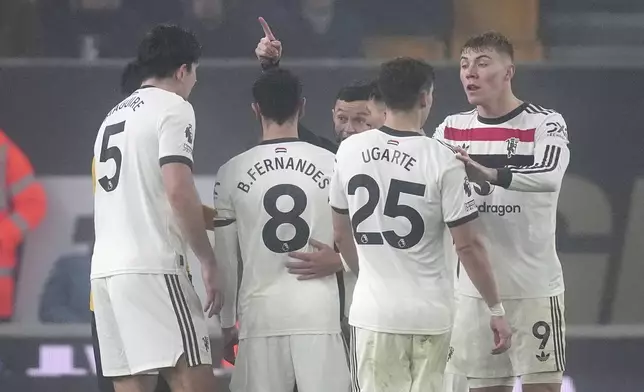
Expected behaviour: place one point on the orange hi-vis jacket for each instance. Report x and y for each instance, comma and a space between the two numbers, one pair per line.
22, 207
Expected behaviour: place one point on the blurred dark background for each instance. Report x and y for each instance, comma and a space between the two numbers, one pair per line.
60, 63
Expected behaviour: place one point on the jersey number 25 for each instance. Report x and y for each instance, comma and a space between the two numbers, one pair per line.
393, 209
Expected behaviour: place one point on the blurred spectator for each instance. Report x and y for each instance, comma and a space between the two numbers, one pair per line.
59, 27
323, 28
64, 299
221, 35
18, 28
22, 207
408, 17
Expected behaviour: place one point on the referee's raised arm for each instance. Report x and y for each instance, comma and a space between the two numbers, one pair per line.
269, 48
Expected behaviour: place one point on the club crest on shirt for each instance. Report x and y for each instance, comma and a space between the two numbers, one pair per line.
467, 187
188, 133
511, 145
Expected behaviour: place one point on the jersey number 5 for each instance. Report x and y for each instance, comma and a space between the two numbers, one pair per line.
393, 209
278, 218
107, 153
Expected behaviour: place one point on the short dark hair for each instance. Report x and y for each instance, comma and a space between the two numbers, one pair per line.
278, 93
402, 80
490, 40
356, 91
164, 49
131, 78
375, 91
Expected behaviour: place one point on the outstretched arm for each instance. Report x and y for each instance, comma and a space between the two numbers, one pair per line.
551, 158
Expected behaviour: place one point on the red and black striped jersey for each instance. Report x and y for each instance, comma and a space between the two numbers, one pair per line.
529, 148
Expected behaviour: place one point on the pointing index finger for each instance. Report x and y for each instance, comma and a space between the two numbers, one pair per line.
267, 29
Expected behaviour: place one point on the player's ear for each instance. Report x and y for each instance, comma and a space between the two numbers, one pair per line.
302, 107
256, 110
425, 99
510, 72
181, 72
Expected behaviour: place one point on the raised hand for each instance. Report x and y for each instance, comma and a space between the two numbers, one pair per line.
269, 49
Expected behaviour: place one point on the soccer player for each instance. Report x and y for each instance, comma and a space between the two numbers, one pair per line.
516, 153
397, 195
130, 82
358, 107
148, 316
271, 200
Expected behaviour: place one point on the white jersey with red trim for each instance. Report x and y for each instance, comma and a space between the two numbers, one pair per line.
529, 149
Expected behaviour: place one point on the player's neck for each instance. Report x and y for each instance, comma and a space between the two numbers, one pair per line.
404, 121
500, 107
163, 84
272, 130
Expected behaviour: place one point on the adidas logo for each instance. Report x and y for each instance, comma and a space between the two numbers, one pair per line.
542, 357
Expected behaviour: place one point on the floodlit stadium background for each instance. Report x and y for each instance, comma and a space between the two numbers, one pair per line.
60, 62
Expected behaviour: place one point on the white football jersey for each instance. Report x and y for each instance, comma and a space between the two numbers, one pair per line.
529, 146
136, 231
271, 200
402, 191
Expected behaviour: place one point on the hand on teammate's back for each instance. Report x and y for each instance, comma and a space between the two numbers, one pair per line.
214, 295
323, 262
269, 49
502, 334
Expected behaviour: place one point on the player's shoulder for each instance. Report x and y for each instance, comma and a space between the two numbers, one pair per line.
236, 162
538, 113
317, 149
359, 140
460, 117
547, 122
438, 148
164, 102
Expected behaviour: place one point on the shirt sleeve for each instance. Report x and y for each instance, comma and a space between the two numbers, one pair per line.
551, 158
226, 248
177, 135
337, 194
458, 205
439, 133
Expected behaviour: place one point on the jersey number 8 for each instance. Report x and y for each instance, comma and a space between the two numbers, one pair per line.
278, 218
393, 209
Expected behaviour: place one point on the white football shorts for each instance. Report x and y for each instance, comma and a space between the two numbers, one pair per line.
145, 322
538, 342
385, 362
315, 363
